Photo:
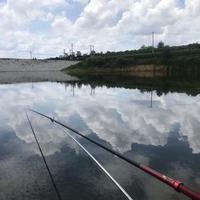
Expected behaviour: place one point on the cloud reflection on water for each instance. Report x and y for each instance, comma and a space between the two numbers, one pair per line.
120, 117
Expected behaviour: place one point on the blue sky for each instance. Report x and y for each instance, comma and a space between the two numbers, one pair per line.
47, 27
74, 10
182, 3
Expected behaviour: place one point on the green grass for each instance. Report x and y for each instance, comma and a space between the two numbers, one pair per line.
181, 59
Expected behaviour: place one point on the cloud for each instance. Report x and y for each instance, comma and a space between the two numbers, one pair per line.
61, 24
118, 24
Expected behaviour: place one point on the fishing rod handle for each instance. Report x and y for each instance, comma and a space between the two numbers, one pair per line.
177, 185
188, 192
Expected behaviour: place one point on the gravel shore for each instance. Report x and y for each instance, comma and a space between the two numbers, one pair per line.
24, 70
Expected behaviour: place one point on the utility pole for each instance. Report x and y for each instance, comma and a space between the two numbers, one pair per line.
72, 48
91, 49
92, 93
64, 54
153, 51
73, 89
153, 34
151, 106
31, 53
72, 52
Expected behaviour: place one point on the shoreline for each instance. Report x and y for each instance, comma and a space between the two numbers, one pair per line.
148, 71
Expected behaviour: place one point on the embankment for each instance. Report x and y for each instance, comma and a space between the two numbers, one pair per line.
139, 70
25, 70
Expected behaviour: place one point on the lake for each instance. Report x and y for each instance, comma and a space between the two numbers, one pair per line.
161, 130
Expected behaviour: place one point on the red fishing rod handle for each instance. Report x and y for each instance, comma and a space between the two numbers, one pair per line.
188, 192
177, 185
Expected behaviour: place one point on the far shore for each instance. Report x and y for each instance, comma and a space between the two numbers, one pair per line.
27, 70
138, 71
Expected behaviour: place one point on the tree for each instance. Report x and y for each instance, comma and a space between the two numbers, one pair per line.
92, 52
78, 54
161, 45
166, 54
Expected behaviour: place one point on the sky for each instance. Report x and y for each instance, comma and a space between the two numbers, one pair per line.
47, 27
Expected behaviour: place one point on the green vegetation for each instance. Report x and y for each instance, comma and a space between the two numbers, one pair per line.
176, 59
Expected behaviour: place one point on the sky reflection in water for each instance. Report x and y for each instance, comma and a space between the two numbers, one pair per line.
165, 136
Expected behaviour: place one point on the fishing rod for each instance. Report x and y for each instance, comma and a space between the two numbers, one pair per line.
89, 154
175, 184
101, 167
43, 157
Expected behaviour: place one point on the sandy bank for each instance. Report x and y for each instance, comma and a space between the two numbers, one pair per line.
24, 70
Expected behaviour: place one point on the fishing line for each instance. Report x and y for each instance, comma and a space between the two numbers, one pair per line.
43, 157
100, 166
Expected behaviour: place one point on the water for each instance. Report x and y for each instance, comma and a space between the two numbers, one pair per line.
160, 131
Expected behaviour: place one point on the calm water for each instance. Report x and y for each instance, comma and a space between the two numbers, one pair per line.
164, 134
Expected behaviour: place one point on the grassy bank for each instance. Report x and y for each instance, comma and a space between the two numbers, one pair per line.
166, 60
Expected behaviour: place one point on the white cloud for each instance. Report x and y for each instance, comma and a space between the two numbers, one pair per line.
61, 24
109, 25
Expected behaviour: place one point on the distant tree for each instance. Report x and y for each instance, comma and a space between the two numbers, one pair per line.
85, 55
92, 52
107, 53
143, 47
194, 46
166, 54
78, 54
161, 45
